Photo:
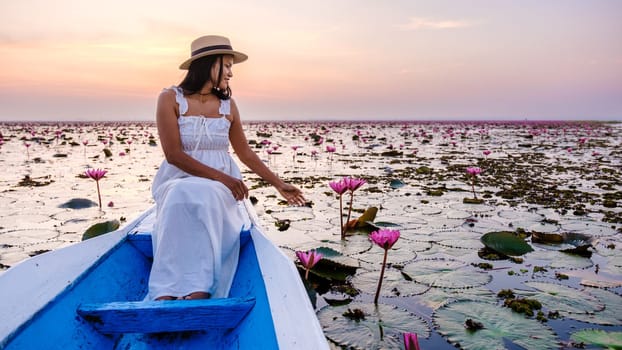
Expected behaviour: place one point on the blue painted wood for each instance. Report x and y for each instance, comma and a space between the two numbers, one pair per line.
121, 275
166, 316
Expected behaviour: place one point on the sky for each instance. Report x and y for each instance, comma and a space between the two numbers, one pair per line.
82, 60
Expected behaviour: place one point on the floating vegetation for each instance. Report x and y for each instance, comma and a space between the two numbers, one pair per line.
566, 300
100, 229
28, 181
78, 203
506, 243
598, 337
368, 326
533, 188
445, 273
493, 327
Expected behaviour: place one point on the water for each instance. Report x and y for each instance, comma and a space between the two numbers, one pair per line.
546, 177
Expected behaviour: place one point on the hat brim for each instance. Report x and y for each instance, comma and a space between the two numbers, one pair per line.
238, 57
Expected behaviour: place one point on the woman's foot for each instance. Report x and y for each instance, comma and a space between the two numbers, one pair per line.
166, 297
197, 295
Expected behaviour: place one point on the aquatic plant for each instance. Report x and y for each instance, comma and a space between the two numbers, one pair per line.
96, 174
352, 184
385, 239
411, 342
349, 184
330, 150
27, 145
340, 188
308, 259
473, 172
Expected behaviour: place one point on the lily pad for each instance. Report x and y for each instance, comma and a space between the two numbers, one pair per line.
557, 259
381, 327
100, 229
395, 184
437, 297
445, 273
610, 316
609, 340
78, 203
330, 268
396, 255
506, 243
394, 283
363, 221
500, 325
566, 300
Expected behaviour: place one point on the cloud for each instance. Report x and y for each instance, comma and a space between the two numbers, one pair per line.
416, 23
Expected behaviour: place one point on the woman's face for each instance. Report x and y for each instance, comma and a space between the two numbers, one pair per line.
227, 71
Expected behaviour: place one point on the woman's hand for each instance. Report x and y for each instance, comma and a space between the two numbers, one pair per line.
236, 186
292, 194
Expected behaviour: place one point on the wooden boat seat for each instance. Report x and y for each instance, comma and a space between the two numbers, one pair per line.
166, 315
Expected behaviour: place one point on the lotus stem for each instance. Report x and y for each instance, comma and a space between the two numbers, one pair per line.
384, 263
343, 231
99, 197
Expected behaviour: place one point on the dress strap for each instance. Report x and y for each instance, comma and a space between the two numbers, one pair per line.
180, 99
225, 107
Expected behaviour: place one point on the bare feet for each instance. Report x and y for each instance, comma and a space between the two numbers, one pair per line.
197, 295
191, 296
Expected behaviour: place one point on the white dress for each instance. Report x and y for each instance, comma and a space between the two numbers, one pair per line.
196, 237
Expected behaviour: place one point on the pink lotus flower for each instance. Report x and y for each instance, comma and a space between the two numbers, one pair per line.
385, 239
330, 149
411, 342
27, 145
486, 152
97, 174
340, 187
353, 184
473, 171
308, 259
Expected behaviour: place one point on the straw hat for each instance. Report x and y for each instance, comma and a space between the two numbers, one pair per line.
212, 45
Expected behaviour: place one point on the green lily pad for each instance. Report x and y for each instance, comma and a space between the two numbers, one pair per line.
78, 203
393, 283
396, 255
557, 259
100, 229
446, 273
437, 297
566, 300
330, 268
506, 243
500, 325
609, 340
381, 328
395, 184
610, 316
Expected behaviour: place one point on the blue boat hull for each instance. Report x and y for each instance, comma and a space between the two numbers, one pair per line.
122, 275
90, 296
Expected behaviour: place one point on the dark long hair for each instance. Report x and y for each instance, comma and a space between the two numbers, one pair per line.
200, 72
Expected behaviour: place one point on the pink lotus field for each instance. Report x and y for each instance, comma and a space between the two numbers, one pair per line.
415, 174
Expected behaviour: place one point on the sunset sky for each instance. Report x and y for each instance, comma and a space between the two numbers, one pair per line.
319, 60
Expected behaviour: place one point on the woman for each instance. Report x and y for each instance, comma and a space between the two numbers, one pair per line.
198, 186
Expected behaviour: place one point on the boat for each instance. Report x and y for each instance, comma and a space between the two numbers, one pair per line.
91, 295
